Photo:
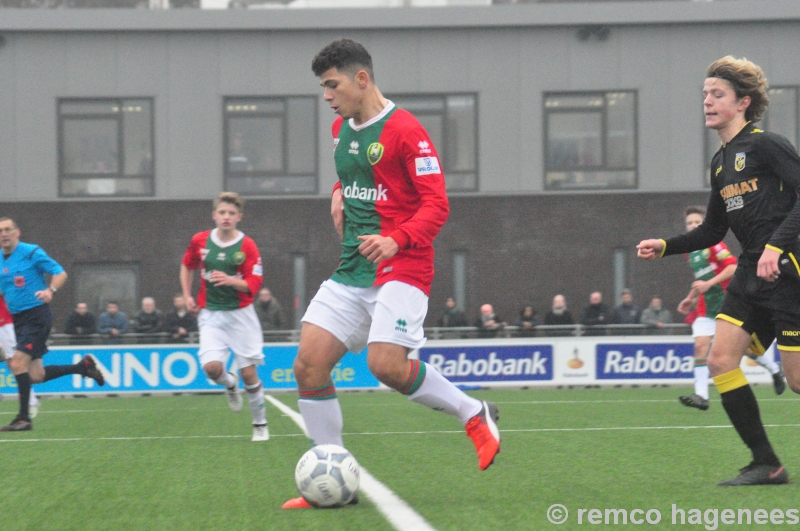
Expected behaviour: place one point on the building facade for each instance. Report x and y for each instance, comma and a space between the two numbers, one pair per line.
567, 135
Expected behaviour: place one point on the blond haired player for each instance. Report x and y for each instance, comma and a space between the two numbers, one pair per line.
230, 277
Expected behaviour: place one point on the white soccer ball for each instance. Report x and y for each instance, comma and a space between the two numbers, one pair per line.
327, 476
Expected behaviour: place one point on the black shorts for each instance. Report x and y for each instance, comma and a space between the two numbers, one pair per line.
767, 309
32, 328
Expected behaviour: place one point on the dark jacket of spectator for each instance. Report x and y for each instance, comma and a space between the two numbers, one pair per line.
595, 314
452, 317
562, 318
106, 322
173, 322
80, 324
148, 323
270, 314
626, 314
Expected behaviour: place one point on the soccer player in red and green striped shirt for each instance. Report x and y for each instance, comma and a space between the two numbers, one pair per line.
388, 207
230, 276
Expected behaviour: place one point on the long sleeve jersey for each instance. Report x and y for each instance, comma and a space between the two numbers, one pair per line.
393, 185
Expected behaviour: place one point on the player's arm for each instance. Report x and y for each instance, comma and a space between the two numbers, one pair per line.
190, 262
251, 270
701, 286
781, 156
685, 306
186, 277
249, 273
46, 265
423, 226
337, 209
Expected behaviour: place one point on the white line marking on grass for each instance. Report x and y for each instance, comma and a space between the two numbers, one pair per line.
643, 401
399, 514
377, 433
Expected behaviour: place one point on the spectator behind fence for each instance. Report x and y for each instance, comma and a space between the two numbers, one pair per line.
488, 324
627, 312
178, 322
656, 315
149, 320
452, 317
558, 314
596, 312
80, 324
269, 311
112, 324
527, 321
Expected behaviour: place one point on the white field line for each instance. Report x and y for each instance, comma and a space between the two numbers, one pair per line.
399, 514
16, 439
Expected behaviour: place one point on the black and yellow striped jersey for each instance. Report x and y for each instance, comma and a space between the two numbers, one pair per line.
755, 180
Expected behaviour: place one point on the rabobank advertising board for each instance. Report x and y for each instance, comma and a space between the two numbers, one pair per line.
635, 361
495, 363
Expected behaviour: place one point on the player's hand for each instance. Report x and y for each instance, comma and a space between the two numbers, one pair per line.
685, 306
649, 249
337, 211
768, 265
45, 295
701, 286
218, 278
377, 248
191, 304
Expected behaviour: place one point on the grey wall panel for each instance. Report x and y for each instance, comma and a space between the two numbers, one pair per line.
40, 77
92, 63
193, 164
8, 120
496, 78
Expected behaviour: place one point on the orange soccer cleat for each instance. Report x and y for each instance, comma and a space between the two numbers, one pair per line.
482, 429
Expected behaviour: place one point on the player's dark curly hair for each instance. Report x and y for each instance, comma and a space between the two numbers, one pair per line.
747, 79
345, 55
695, 209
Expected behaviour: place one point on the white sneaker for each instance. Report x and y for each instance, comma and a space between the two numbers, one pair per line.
235, 400
260, 433
33, 409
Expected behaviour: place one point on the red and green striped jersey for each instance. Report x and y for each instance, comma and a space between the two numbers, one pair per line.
393, 185
706, 264
239, 258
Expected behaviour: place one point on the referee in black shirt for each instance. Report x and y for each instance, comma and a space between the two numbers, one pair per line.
755, 179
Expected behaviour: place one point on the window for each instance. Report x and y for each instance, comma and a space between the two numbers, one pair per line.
96, 284
782, 117
451, 121
271, 145
590, 140
106, 147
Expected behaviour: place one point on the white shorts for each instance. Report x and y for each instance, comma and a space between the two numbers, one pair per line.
8, 341
239, 330
391, 313
704, 327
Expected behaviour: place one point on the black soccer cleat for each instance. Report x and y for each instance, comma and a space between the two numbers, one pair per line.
90, 370
779, 381
694, 400
18, 425
754, 474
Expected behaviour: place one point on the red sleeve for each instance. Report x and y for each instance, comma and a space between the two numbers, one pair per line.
191, 258
721, 254
335, 128
425, 172
251, 269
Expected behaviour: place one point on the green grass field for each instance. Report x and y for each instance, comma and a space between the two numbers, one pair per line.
187, 463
